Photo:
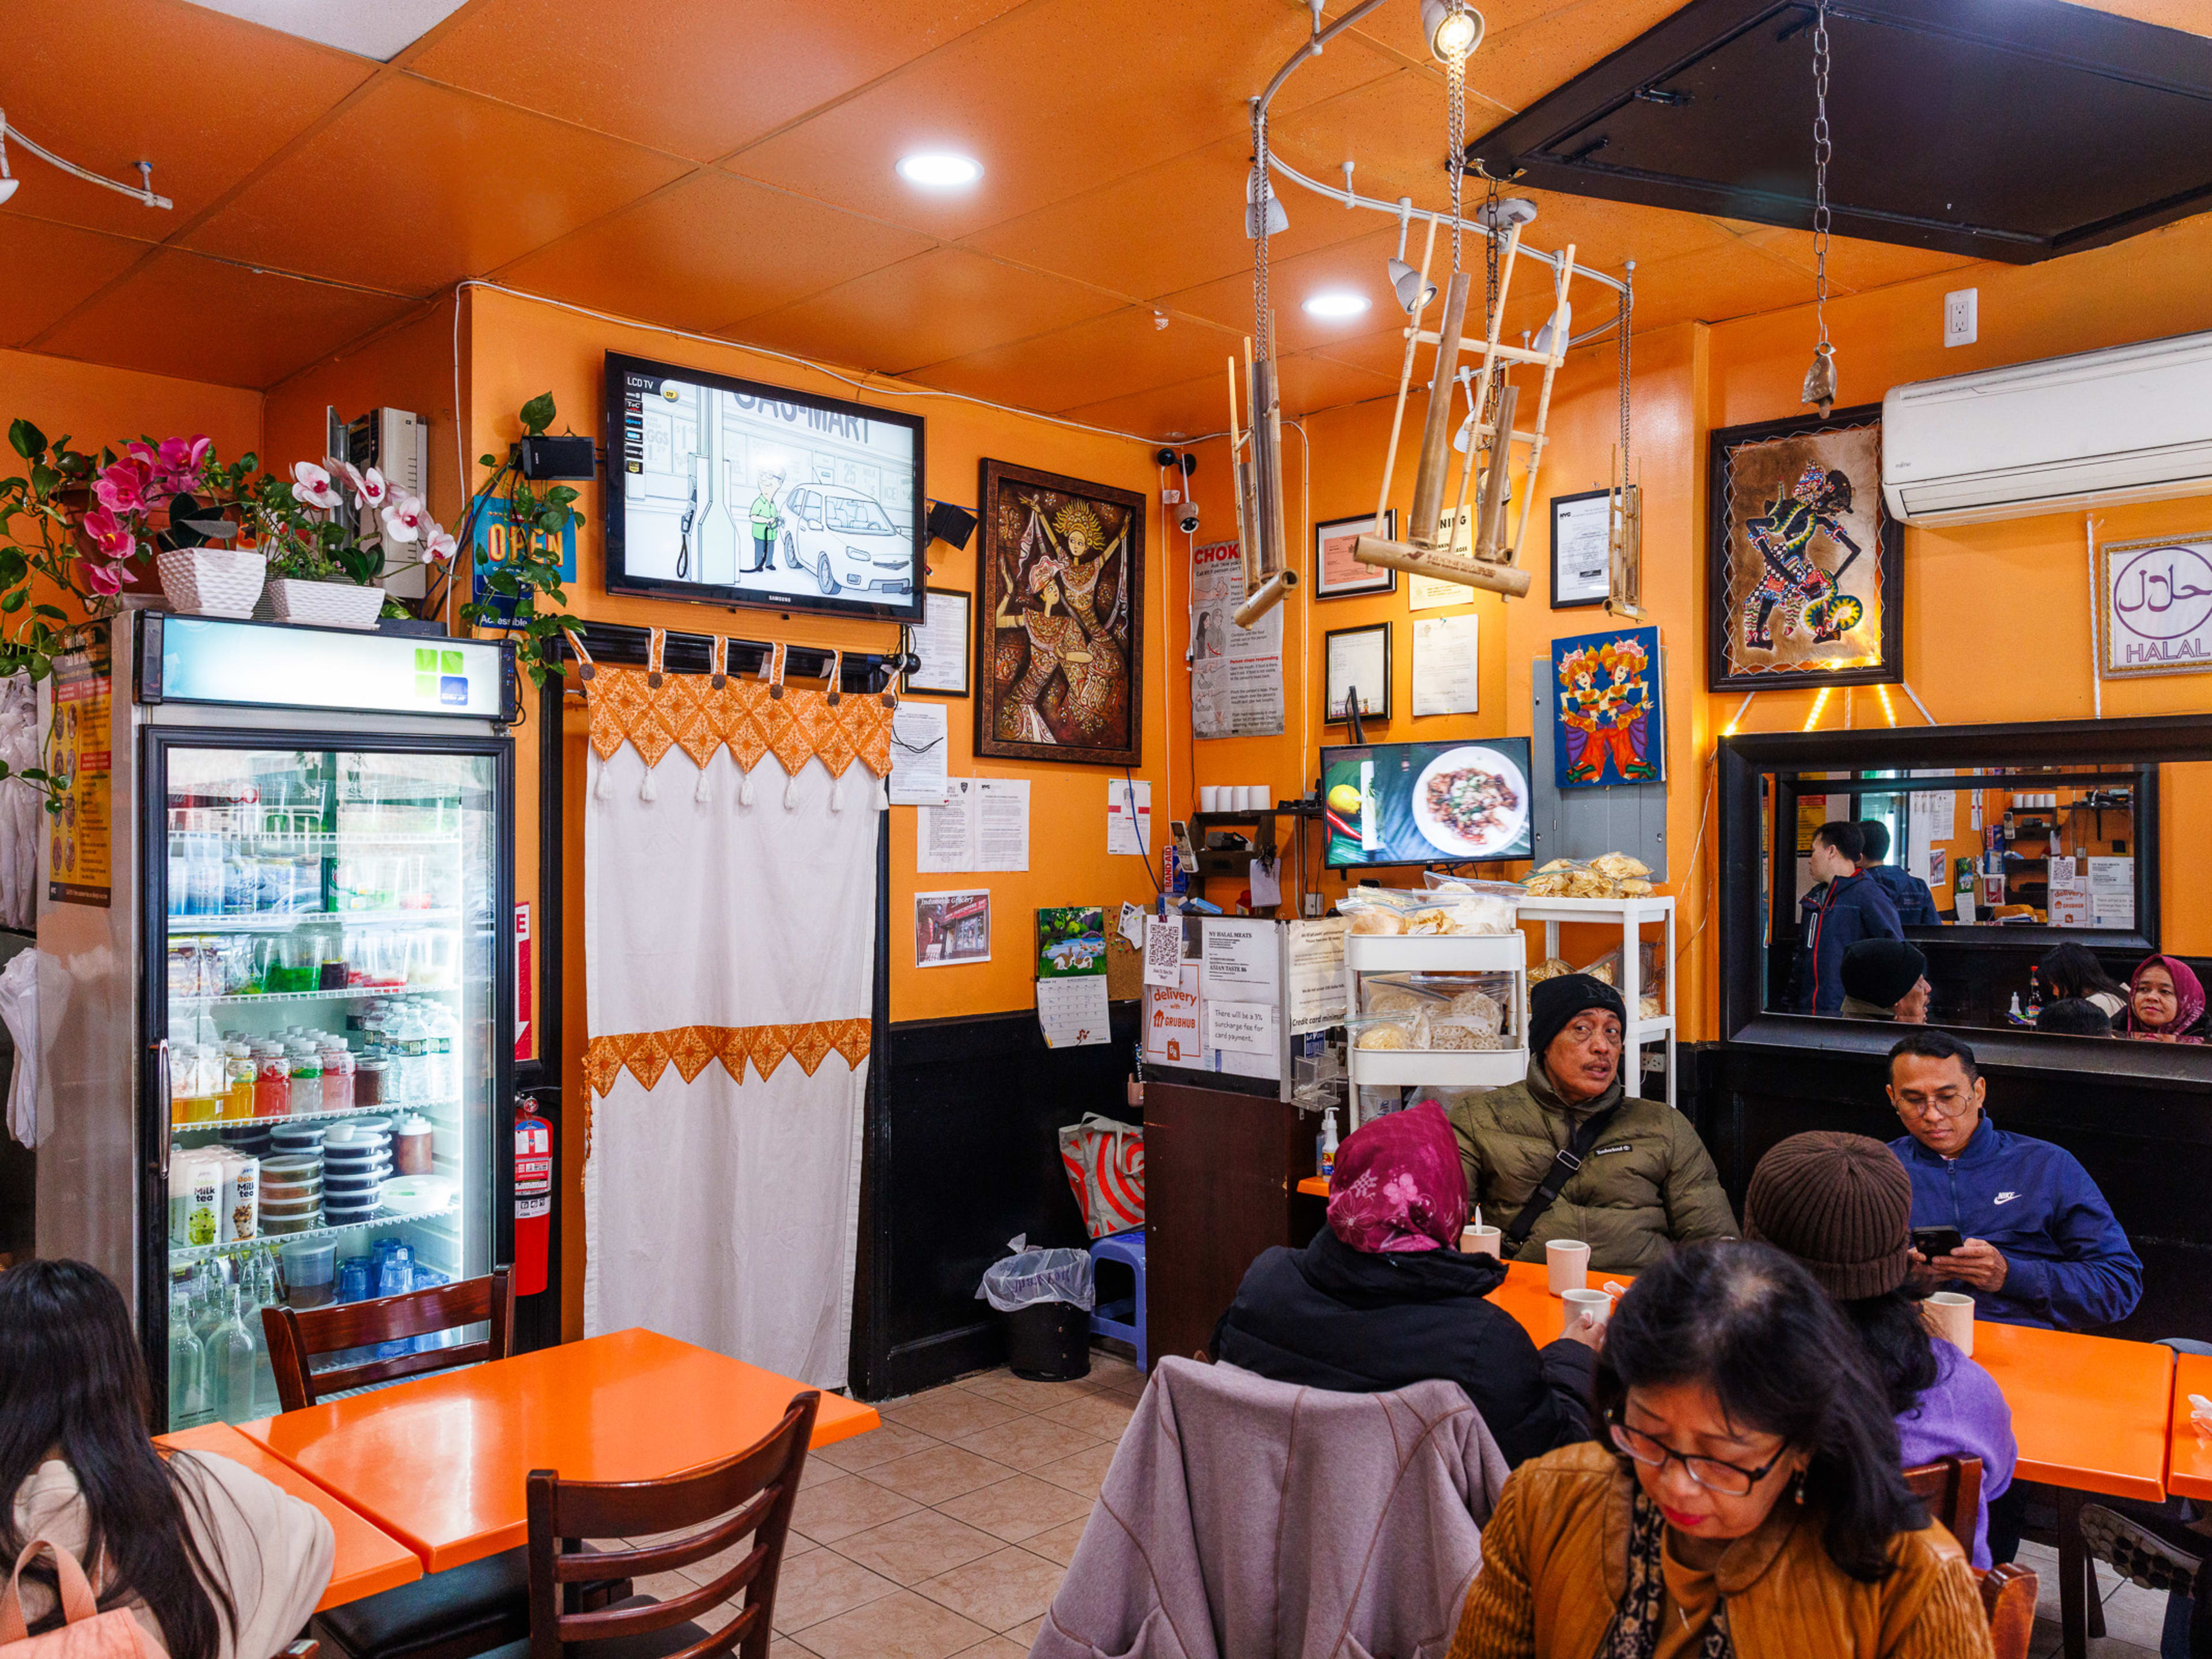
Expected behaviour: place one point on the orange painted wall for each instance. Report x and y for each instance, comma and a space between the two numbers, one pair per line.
96, 405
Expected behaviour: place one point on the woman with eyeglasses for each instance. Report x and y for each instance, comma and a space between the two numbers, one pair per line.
1748, 1503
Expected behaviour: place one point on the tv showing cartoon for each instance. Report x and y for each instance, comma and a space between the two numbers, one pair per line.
739, 493
1608, 723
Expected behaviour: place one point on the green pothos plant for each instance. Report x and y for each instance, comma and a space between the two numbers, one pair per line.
514, 586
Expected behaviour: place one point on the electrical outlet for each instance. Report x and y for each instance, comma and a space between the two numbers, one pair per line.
1169, 497
1961, 316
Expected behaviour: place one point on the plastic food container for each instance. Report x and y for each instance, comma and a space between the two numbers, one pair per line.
310, 1271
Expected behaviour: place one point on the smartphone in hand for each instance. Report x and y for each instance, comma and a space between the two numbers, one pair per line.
1934, 1242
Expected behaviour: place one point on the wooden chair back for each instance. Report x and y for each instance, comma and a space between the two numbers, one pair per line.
717, 1507
1951, 1487
2009, 1598
295, 1338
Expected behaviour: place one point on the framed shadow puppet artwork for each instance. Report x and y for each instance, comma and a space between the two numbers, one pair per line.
1805, 566
1060, 630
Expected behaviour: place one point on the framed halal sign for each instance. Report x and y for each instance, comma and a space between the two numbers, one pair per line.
2156, 615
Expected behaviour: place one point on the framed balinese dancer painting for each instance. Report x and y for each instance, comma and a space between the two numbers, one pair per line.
1059, 622
1805, 565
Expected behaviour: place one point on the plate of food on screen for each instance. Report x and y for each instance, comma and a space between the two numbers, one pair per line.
1471, 802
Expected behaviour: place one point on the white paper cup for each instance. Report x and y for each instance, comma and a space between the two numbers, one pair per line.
1479, 1241
1587, 1302
1209, 798
1568, 1261
1950, 1314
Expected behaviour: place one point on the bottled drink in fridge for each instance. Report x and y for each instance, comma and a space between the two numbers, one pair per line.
188, 1389
230, 1361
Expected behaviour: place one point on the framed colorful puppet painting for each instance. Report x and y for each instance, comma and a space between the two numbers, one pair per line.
1805, 563
1059, 625
1609, 721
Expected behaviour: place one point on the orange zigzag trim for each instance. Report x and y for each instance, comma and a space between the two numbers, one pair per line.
685, 712
647, 1055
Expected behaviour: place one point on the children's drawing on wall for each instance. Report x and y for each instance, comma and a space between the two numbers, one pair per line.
1609, 726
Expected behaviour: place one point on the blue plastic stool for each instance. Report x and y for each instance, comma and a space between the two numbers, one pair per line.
1114, 1318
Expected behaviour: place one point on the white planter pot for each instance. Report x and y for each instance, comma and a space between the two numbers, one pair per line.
212, 582
325, 605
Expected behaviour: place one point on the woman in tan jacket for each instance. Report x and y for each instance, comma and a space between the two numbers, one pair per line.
1750, 1505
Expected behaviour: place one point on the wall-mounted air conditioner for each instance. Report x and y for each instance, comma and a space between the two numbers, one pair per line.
2132, 424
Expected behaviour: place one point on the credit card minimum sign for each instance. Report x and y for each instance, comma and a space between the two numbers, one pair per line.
78, 837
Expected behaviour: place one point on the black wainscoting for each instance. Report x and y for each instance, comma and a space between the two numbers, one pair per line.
2146, 1143
963, 1154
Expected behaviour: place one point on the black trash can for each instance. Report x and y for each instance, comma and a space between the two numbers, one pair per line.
1048, 1342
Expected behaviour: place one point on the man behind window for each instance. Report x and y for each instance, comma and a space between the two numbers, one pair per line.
1846, 907
2040, 1245
1916, 905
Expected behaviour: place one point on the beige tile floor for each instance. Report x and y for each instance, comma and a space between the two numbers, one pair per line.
946, 1531
2133, 1615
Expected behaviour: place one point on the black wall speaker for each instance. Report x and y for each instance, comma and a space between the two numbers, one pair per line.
950, 523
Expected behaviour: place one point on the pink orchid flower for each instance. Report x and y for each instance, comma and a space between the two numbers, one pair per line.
406, 519
104, 579
368, 488
439, 544
176, 465
122, 487
311, 486
109, 534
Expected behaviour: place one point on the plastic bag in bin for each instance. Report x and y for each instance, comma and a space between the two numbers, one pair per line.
1029, 1277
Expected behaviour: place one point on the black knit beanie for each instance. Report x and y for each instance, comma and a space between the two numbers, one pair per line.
1553, 1002
1841, 1204
1882, 970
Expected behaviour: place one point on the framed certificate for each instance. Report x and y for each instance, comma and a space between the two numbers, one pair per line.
940, 639
1337, 575
1581, 560
1357, 659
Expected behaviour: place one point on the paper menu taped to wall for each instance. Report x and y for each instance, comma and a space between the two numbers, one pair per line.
919, 752
1446, 657
1236, 673
1237, 960
984, 824
1128, 817
1314, 998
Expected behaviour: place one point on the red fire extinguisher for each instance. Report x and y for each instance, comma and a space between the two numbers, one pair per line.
533, 1197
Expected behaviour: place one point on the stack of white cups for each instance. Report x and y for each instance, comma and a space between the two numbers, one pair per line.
1235, 798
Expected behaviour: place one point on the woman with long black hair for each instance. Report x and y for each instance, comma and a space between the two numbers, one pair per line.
1749, 1503
2073, 971
215, 1561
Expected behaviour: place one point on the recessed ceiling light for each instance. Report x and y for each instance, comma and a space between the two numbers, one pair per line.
939, 169
1336, 305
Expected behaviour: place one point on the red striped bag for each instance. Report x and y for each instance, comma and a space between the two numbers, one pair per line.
1105, 1161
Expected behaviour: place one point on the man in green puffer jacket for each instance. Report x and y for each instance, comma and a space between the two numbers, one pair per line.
1647, 1183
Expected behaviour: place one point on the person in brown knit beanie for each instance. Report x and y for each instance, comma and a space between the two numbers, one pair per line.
1842, 1204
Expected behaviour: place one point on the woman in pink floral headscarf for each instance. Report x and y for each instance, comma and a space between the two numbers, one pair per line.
1382, 1297
2166, 1002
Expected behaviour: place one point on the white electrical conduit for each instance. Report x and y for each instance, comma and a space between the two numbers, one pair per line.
2096, 651
135, 192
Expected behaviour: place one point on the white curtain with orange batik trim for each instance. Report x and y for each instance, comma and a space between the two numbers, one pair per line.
729, 915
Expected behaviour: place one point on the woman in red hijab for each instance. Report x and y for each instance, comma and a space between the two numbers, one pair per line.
1382, 1298
2166, 1002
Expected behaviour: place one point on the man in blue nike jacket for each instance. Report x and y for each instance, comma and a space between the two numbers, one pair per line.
2041, 1246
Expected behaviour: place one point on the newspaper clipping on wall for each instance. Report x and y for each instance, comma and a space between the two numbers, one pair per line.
1235, 674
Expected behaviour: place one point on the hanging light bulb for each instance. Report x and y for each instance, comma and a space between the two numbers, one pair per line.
1820, 388
1257, 189
1451, 28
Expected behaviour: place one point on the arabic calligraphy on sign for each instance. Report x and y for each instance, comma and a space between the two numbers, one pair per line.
2158, 606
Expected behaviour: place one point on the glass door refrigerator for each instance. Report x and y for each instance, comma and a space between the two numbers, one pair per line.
277, 987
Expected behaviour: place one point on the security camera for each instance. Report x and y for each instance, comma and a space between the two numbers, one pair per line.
1187, 518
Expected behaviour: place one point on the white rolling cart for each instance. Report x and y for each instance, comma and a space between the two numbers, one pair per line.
1443, 1068
1631, 917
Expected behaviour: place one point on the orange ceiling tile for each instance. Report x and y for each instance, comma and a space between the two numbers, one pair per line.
698, 77
708, 250
203, 97
416, 184
1107, 357
1529, 47
1718, 283
1355, 267
1311, 381
1853, 264
52, 269
203, 319
1146, 233
1050, 99
945, 303
1191, 409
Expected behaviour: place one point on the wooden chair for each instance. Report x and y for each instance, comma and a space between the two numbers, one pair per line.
1951, 1487
295, 1338
747, 1496
2009, 1598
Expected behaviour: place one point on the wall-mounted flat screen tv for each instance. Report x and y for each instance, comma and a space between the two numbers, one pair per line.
737, 492
1426, 803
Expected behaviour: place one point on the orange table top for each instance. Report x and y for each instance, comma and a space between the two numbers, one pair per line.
440, 1461
2088, 1412
368, 1560
1314, 1186
2189, 1454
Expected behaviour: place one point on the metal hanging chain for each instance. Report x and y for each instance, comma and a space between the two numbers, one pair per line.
1262, 324
1822, 148
1455, 122
1627, 308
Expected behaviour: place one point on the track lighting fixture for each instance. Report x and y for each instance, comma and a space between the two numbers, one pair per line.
142, 192
1451, 28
